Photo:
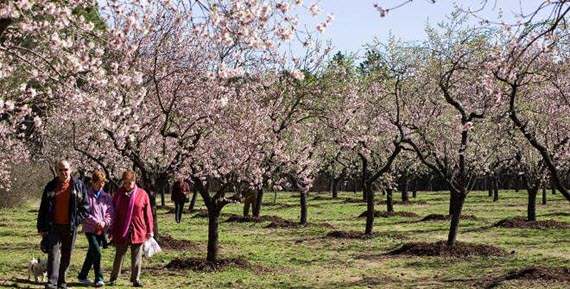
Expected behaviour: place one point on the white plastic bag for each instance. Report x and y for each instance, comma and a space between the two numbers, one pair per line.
150, 247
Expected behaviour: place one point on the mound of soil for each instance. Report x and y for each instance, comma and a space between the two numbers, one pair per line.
384, 214
233, 218
167, 242
353, 201
184, 211
442, 249
383, 202
322, 198
201, 214
559, 214
204, 214
279, 222
201, 265
440, 217
536, 273
360, 235
520, 222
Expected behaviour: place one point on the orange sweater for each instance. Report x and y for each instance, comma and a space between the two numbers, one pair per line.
62, 196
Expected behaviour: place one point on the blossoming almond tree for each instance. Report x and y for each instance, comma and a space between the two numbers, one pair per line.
448, 118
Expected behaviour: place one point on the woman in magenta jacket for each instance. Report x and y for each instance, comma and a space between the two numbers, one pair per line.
132, 226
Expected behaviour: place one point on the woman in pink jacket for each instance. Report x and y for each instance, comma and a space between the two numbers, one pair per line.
94, 226
132, 226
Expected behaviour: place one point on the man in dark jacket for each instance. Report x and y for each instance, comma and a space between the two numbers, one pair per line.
63, 208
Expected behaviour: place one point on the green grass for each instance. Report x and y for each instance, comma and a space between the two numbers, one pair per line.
304, 258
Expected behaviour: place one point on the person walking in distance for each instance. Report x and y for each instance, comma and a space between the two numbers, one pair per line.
179, 196
63, 208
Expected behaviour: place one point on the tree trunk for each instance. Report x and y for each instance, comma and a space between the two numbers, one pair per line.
258, 201
489, 183
544, 193
517, 181
531, 211
369, 208
334, 187
213, 222
389, 199
454, 202
193, 201
495, 190
457, 207
152, 199
303, 220
553, 186
405, 196
415, 189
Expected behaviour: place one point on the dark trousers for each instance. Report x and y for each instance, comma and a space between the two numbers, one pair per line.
178, 208
61, 242
93, 258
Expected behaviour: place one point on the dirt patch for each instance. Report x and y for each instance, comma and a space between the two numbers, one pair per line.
201, 265
559, 214
384, 214
442, 249
383, 202
440, 217
520, 222
279, 222
167, 242
184, 211
251, 219
360, 235
353, 201
323, 198
204, 214
537, 274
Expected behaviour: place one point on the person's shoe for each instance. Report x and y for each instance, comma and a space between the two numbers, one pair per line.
137, 284
112, 282
85, 281
99, 283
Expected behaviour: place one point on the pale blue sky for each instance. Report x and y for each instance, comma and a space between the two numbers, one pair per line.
357, 22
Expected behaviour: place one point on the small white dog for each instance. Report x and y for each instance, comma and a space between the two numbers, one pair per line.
38, 268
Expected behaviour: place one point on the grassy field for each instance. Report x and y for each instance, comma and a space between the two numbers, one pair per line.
305, 257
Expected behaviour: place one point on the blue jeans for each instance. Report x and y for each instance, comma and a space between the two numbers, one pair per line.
93, 257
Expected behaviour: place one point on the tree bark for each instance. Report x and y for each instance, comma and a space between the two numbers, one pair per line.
193, 201
369, 208
495, 190
544, 193
334, 187
213, 231
389, 200
531, 208
415, 189
459, 200
303, 220
489, 183
405, 196
258, 202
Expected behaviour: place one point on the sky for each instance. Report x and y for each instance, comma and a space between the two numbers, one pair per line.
357, 22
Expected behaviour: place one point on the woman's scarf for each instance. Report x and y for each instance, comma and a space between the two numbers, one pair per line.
123, 227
